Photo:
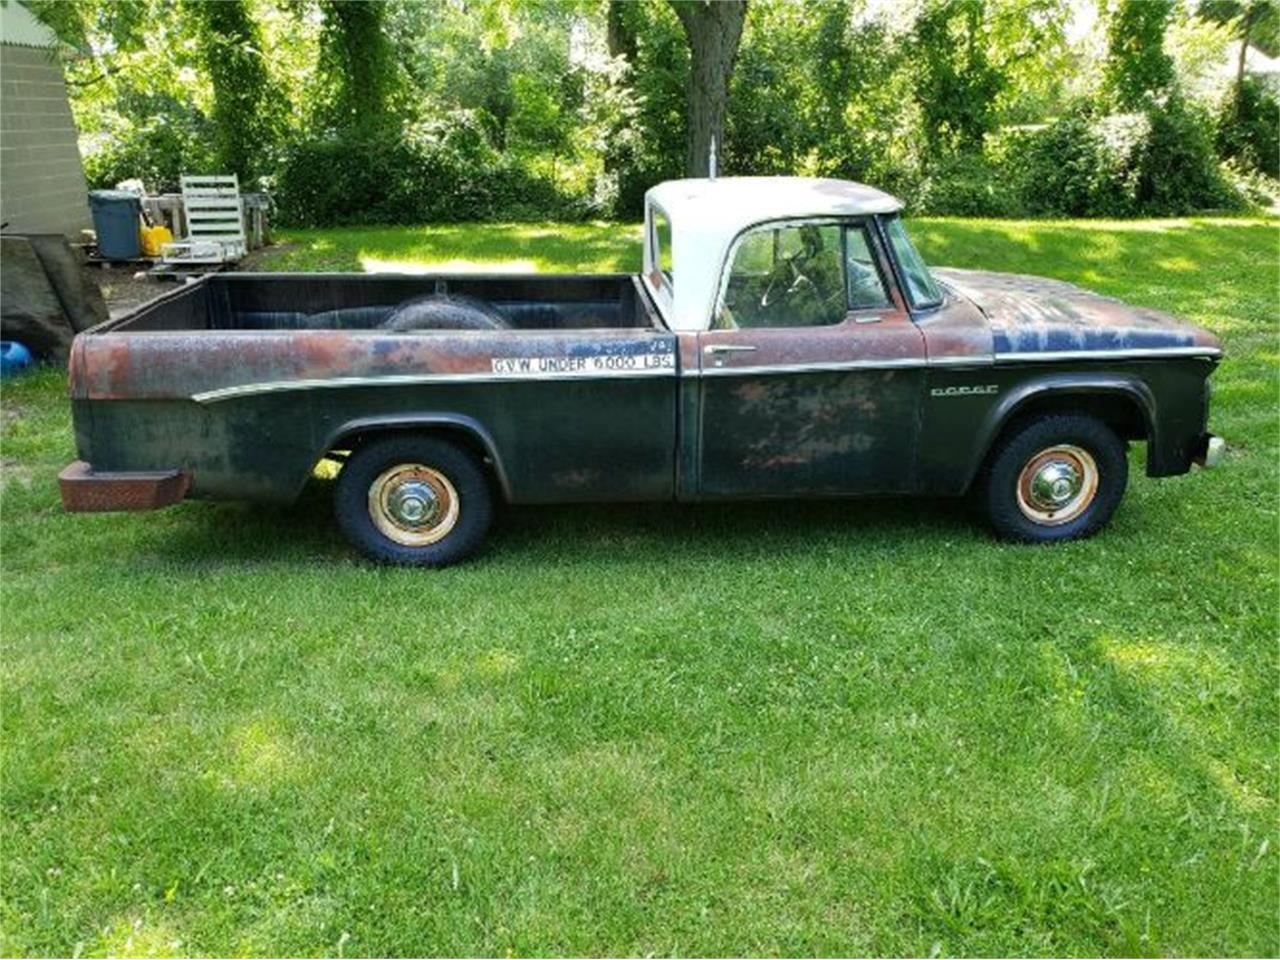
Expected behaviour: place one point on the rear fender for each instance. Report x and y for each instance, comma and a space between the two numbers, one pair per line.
474, 431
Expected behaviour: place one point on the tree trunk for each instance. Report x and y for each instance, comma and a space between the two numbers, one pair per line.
1240, 63
1246, 28
713, 29
622, 39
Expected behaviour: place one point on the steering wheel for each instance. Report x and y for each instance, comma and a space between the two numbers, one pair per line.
798, 282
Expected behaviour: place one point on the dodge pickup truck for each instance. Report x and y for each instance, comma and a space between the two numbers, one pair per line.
784, 339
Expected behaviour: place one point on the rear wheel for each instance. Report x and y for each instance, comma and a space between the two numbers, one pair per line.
1054, 478
413, 501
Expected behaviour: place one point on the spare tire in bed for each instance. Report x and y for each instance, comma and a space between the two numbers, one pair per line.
445, 312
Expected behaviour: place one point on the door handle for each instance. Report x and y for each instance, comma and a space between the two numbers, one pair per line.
711, 349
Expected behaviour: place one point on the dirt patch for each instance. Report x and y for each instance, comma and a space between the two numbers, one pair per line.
127, 286
13, 471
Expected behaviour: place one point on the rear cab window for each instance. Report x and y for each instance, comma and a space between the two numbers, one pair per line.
660, 242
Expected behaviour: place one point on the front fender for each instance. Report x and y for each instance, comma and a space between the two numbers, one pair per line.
1024, 395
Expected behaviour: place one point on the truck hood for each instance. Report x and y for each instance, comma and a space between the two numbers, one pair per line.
1030, 315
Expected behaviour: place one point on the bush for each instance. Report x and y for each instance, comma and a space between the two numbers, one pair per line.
1079, 166
157, 152
968, 186
1256, 188
1157, 162
1249, 128
1178, 167
442, 172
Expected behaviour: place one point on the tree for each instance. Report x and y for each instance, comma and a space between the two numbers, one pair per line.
1137, 65
356, 56
713, 29
231, 51
957, 83
1257, 24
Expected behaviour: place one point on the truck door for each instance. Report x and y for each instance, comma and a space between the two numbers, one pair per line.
810, 379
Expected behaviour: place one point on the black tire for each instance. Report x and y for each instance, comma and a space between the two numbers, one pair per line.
445, 312
449, 472
1088, 447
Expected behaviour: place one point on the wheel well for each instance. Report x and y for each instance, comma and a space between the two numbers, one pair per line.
1117, 410
351, 440
1121, 412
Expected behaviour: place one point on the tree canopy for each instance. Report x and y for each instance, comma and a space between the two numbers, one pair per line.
403, 110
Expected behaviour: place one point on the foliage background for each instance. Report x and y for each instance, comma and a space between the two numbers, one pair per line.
410, 112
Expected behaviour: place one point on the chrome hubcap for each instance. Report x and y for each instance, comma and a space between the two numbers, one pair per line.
1057, 484
1054, 484
413, 504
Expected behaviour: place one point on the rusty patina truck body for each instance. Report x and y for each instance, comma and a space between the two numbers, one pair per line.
783, 340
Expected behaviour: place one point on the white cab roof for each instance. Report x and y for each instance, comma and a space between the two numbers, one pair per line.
706, 216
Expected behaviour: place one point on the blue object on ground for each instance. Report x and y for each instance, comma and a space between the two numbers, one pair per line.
116, 215
14, 357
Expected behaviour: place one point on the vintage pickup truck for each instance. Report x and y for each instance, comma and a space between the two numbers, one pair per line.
783, 340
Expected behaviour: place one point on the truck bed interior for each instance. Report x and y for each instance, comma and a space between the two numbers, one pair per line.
296, 301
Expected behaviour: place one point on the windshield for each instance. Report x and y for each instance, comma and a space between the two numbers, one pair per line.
922, 289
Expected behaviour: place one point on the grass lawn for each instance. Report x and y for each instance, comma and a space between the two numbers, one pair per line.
819, 728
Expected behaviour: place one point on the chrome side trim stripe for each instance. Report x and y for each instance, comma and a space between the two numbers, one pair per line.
777, 368
908, 363
412, 379
981, 361
1136, 353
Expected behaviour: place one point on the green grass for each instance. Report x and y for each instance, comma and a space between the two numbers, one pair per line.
819, 728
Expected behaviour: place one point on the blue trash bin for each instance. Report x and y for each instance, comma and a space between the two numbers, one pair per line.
116, 218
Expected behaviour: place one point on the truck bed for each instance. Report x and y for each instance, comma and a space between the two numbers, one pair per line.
345, 301
241, 382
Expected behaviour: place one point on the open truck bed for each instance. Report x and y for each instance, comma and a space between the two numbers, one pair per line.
347, 301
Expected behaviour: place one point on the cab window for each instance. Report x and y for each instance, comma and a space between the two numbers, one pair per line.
799, 275
866, 286
661, 241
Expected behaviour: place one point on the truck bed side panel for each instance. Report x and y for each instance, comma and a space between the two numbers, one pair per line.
569, 416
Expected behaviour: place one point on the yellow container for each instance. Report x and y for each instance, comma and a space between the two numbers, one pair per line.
153, 238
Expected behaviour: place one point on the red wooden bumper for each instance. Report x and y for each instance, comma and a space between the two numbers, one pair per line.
85, 491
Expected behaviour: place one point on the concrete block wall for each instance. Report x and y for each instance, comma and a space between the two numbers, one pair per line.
42, 185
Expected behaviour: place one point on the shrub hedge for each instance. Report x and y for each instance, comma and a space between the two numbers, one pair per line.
409, 179
1159, 160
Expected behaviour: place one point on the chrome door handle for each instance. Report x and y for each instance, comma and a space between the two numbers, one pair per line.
711, 349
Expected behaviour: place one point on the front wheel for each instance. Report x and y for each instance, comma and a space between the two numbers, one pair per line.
1054, 478
413, 501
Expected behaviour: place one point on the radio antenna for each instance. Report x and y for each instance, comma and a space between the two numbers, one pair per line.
711, 160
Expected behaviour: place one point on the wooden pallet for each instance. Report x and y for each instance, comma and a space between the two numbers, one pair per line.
181, 272
94, 260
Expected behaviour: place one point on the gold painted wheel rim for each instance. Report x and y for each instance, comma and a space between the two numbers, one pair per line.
413, 505
1057, 485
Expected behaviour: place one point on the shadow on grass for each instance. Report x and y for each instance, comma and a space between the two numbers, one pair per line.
588, 534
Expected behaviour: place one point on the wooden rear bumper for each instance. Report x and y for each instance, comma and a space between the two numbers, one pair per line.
84, 491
